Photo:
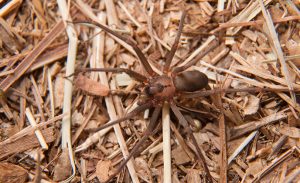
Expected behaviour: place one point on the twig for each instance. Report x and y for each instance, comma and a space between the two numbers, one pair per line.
251, 126
241, 146
9, 6
68, 86
198, 50
223, 140
221, 4
256, 22
37, 132
275, 163
128, 14
278, 49
50, 87
166, 142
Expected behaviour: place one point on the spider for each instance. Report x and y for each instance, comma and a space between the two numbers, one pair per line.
164, 88
159, 89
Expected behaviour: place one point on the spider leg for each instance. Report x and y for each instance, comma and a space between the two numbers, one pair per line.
170, 55
129, 41
200, 55
199, 154
135, 150
133, 74
204, 93
130, 115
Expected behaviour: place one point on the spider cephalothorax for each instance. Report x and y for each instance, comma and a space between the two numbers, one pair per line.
161, 88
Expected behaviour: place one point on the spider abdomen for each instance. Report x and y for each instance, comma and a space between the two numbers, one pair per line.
190, 81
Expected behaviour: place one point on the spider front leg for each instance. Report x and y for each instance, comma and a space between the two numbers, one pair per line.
211, 46
170, 55
130, 115
129, 41
133, 74
136, 149
199, 154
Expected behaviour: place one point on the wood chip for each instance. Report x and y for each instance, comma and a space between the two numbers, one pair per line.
12, 173
252, 105
62, 169
292, 132
102, 170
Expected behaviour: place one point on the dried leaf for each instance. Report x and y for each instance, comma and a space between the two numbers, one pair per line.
77, 118
90, 86
58, 92
128, 59
102, 170
252, 105
193, 176
123, 79
62, 169
292, 132
293, 48
12, 173
180, 156
255, 167
142, 168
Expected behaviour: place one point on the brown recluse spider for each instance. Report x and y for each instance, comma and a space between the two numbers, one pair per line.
158, 89
163, 88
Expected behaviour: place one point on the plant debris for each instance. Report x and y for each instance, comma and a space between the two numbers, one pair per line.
247, 128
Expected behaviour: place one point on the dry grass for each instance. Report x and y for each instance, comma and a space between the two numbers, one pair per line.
245, 136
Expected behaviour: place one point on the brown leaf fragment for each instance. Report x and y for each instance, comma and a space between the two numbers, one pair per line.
293, 48
128, 59
58, 92
292, 121
255, 167
12, 173
292, 132
102, 170
62, 169
193, 176
143, 169
264, 152
180, 156
252, 105
90, 86
250, 34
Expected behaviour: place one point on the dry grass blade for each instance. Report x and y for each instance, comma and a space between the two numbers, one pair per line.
278, 50
68, 87
30, 58
166, 143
